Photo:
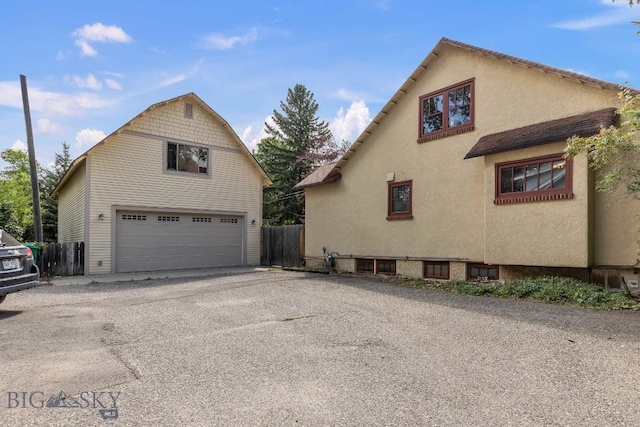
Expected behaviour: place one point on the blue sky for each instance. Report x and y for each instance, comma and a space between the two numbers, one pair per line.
91, 67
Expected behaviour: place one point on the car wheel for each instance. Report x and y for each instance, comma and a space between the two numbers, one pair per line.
2, 298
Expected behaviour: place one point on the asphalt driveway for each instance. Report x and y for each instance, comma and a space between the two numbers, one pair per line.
295, 349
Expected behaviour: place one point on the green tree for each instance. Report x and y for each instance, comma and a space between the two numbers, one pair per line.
298, 143
615, 151
49, 180
16, 210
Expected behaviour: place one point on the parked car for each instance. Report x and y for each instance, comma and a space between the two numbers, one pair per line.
18, 270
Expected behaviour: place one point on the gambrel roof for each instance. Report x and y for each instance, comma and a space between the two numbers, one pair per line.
197, 101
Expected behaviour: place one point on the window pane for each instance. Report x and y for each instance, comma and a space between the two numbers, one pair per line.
492, 273
438, 104
467, 95
518, 178
452, 99
532, 177
444, 271
203, 160
429, 270
172, 155
400, 206
432, 123
506, 185
559, 173
188, 158
545, 176
459, 116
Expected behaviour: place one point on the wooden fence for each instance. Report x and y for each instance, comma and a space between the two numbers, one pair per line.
62, 259
283, 246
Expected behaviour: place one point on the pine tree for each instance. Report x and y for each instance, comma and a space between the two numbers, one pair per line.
298, 143
49, 179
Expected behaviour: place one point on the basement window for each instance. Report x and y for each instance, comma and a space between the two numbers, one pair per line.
364, 266
386, 266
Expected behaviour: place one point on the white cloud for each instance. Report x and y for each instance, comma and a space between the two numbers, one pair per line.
618, 13
111, 73
90, 82
86, 48
168, 81
113, 84
19, 145
347, 125
45, 125
89, 137
98, 33
220, 42
250, 140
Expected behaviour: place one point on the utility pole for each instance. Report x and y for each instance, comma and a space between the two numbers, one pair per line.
32, 161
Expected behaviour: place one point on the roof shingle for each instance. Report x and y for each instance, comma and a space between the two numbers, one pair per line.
584, 125
318, 176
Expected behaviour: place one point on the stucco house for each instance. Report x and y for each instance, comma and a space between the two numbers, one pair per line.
462, 175
173, 188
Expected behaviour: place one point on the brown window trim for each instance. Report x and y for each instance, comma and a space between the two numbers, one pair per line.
389, 262
480, 265
393, 216
446, 130
367, 260
536, 195
435, 264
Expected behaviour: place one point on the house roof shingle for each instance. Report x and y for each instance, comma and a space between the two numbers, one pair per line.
587, 124
319, 176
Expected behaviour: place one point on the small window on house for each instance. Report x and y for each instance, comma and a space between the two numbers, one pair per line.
187, 158
399, 206
436, 270
482, 272
540, 178
188, 111
386, 266
364, 266
447, 112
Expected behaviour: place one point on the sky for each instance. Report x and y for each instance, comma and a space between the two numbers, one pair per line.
92, 66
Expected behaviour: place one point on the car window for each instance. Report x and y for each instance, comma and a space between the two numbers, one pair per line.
7, 239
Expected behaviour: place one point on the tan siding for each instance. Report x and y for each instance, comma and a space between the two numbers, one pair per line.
128, 171
71, 207
453, 211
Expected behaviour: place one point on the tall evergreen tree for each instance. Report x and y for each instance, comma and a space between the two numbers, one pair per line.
298, 143
49, 180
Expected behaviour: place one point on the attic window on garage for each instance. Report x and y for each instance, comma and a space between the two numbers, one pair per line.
187, 158
188, 111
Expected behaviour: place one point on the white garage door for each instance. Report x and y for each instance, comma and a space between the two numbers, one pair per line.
151, 241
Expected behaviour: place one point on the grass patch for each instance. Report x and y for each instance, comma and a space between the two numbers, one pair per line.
555, 290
